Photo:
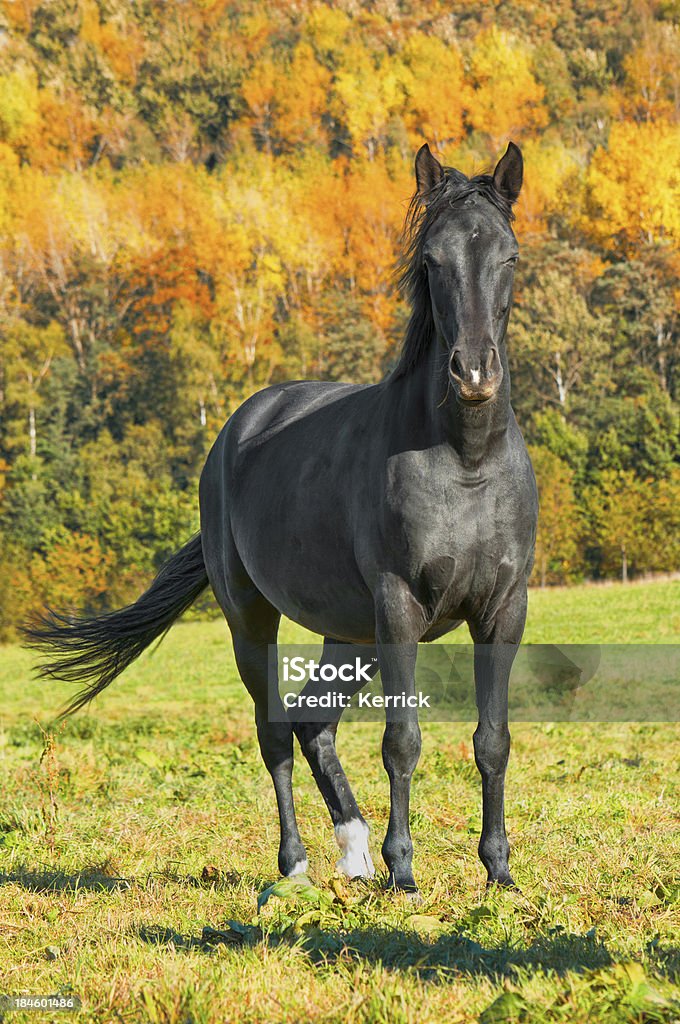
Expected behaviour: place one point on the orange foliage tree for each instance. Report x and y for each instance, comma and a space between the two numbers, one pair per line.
201, 197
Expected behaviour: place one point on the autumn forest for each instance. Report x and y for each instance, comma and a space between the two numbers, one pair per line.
202, 197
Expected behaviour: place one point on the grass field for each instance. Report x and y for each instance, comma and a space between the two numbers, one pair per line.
133, 848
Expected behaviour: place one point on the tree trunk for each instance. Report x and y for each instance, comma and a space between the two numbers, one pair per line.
543, 570
624, 564
559, 379
32, 433
661, 341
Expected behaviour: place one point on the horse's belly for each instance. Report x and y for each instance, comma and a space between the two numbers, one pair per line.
332, 603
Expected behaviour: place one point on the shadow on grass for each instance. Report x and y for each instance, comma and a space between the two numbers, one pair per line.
454, 953
213, 878
95, 878
100, 878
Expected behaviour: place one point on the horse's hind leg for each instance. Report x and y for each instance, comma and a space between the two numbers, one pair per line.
253, 628
254, 625
317, 740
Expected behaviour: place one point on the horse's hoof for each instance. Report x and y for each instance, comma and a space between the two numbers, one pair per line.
353, 872
297, 870
504, 882
359, 882
408, 888
352, 838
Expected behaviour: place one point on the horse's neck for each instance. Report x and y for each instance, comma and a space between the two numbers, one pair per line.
473, 432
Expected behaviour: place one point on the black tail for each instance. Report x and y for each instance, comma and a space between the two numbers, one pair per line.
97, 650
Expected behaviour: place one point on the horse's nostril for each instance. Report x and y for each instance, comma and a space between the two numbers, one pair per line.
455, 365
491, 359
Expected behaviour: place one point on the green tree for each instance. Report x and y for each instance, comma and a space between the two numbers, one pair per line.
557, 344
640, 297
618, 505
28, 354
559, 526
637, 431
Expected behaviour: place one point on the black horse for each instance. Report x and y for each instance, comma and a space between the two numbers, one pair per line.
378, 515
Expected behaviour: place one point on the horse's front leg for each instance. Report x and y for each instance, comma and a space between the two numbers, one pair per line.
399, 624
317, 740
495, 649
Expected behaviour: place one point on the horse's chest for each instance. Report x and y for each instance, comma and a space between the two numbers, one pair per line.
458, 544
462, 521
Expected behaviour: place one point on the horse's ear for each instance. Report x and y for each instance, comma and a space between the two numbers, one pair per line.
507, 177
429, 172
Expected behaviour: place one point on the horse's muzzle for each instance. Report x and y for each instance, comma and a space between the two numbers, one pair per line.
476, 384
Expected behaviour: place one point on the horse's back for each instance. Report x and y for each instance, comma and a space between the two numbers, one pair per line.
287, 411
280, 406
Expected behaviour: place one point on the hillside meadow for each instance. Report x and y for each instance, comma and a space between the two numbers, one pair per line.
135, 841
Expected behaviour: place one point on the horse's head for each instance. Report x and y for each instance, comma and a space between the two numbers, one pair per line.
467, 252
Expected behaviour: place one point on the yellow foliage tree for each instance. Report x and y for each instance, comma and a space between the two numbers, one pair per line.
652, 86
366, 96
507, 100
434, 83
72, 575
301, 98
633, 187
19, 105
549, 169
259, 92
369, 212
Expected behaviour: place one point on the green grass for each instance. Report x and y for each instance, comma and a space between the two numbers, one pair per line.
151, 825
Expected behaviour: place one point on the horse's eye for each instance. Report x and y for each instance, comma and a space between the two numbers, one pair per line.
430, 259
511, 262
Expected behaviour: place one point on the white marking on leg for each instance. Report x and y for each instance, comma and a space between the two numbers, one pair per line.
352, 838
301, 868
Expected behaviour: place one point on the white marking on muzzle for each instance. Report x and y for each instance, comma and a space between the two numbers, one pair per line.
475, 376
352, 838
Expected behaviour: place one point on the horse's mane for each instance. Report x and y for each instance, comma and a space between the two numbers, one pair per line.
422, 212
